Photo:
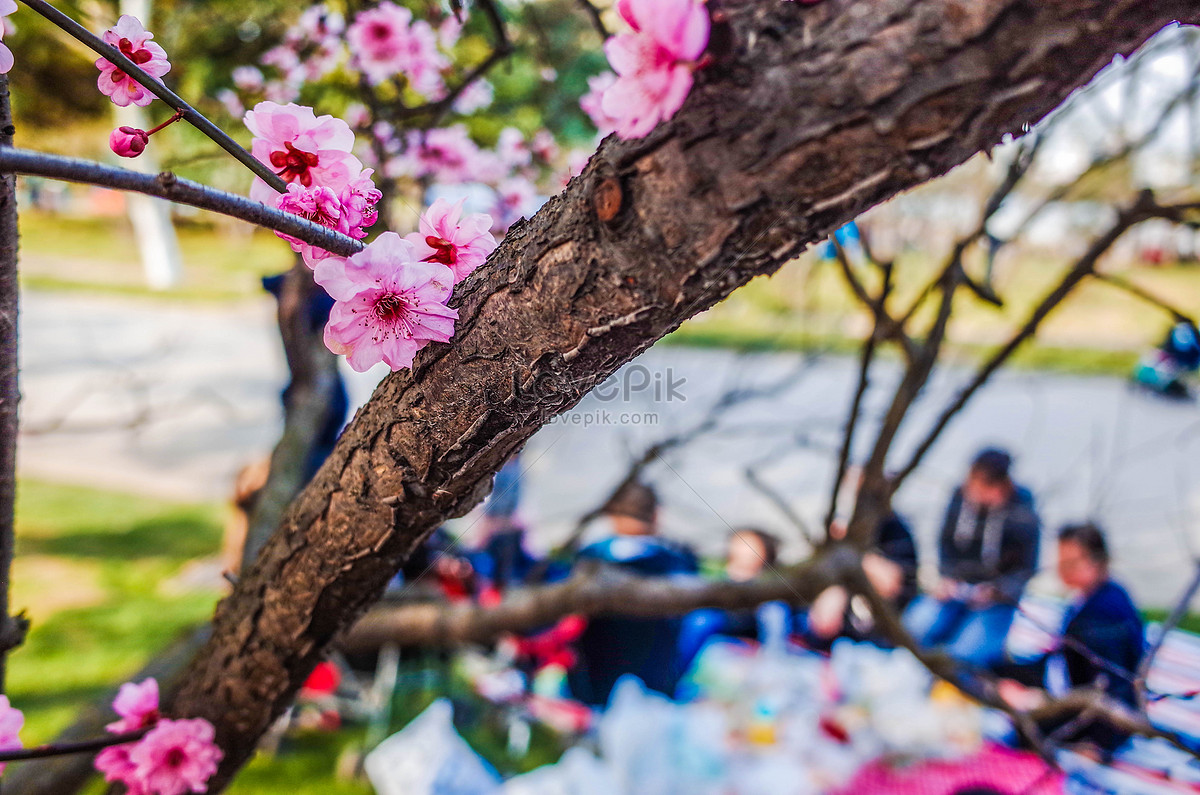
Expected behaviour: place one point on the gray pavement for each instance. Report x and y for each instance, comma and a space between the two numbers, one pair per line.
171, 398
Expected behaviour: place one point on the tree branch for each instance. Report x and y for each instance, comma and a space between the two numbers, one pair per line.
158, 89
1145, 295
181, 191
604, 590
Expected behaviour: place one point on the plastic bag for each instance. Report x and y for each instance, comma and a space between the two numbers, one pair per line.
428, 757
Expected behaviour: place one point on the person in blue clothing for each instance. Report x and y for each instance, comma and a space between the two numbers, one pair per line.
612, 646
1102, 640
749, 553
987, 552
502, 559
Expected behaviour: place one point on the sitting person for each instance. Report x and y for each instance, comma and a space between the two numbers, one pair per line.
749, 553
1102, 640
891, 567
612, 646
987, 551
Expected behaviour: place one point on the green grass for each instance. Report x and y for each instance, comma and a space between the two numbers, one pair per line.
90, 569
100, 255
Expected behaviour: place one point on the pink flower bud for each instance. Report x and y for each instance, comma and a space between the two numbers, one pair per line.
128, 141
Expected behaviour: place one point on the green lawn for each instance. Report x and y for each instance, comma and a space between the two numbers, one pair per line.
98, 573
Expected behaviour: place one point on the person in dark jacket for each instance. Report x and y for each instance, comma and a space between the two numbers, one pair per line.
1102, 640
987, 552
612, 646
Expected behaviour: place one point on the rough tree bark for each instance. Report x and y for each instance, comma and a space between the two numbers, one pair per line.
808, 116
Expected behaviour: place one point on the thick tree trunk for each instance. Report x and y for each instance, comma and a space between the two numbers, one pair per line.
808, 116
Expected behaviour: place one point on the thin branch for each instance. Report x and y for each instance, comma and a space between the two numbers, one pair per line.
1134, 290
593, 14
81, 747
1144, 208
1177, 615
603, 590
763, 488
501, 48
167, 186
864, 381
176, 102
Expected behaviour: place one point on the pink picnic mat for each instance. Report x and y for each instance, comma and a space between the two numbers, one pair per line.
995, 768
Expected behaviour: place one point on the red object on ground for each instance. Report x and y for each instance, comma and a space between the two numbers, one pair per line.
996, 767
323, 681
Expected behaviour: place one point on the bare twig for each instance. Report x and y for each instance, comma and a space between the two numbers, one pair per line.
593, 15
763, 488
176, 102
1145, 207
1145, 295
172, 188
1177, 614
82, 747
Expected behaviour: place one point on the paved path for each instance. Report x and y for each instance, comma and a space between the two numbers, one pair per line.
172, 398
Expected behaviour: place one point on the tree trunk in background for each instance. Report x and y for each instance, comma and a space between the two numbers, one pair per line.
809, 115
310, 401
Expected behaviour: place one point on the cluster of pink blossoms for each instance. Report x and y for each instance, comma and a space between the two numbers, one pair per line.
132, 39
174, 757
654, 63
390, 298
386, 43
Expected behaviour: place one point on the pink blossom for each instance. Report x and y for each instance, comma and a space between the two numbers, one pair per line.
230, 100
247, 78
301, 147
6, 57
359, 199
476, 96
591, 102
461, 244
387, 304
515, 198
654, 63
128, 141
512, 149
175, 757
319, 205
446, 153
543, 146
387, 43
137, 704
11, 721
133, 41
116, 766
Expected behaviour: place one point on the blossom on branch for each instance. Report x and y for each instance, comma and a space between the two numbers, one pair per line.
128, 141
300, 147
461, 244
654, 63
6, 57
115, 765
386, 43
133, 40
11, 721
319, 205
387, 304
137, 704
175, 757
